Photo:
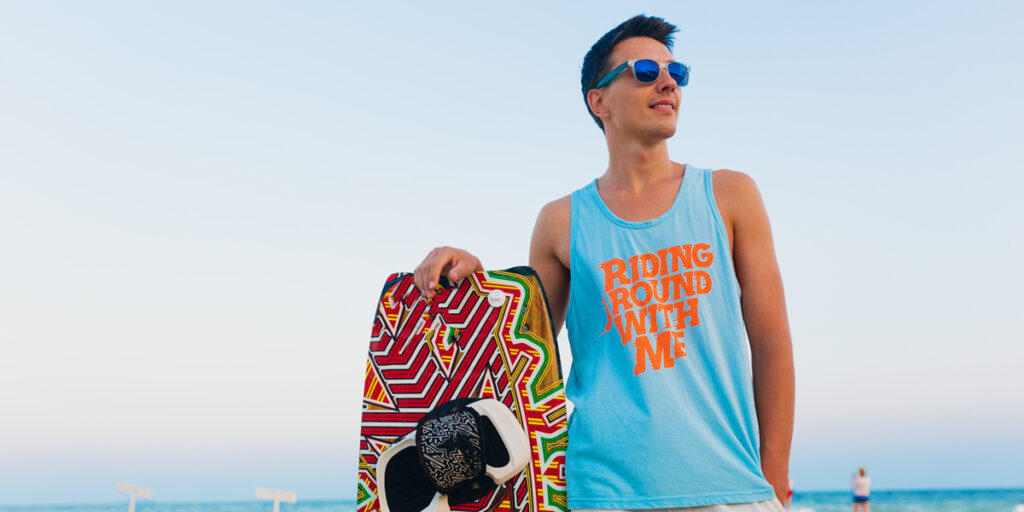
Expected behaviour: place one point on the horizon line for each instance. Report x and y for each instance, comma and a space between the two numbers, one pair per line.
353, 500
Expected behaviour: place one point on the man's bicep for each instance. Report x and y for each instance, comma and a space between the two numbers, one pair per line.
757, 269
554, 276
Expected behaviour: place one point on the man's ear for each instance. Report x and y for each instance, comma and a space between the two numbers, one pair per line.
597, 104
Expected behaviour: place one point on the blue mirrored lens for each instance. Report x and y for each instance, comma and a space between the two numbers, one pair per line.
646, 70
678, 73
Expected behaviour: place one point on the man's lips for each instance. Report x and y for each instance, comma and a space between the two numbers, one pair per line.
663, 106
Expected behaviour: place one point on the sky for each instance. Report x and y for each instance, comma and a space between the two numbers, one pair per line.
199, 203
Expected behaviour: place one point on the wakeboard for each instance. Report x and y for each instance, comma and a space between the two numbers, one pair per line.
488, 336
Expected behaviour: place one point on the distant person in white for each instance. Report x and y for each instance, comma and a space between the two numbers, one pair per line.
861, 492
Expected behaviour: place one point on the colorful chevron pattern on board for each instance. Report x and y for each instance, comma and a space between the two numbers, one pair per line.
490, 337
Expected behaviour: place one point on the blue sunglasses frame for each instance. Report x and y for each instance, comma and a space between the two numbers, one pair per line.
681, 78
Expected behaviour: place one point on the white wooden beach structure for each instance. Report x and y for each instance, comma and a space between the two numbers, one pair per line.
277, 495
134, 492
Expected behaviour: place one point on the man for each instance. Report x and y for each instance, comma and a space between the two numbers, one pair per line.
646, 266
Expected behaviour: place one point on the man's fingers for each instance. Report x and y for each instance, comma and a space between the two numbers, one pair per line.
416, 278
436, 269
421, 276
441, 263
461, 269
435, 274
453, 263
454, 274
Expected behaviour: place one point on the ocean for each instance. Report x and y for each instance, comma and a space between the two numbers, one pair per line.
946, 500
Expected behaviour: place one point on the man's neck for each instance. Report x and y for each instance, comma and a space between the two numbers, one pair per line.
633, 165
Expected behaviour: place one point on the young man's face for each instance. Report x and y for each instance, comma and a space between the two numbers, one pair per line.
631, 103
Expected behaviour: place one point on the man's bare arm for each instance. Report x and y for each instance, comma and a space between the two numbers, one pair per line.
549, 256
764, 313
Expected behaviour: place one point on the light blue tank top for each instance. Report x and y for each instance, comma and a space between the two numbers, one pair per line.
661, 378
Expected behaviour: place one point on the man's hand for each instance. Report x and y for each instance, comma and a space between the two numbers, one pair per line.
778, 477
455, 263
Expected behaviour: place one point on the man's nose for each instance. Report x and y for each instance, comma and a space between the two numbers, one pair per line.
665, 81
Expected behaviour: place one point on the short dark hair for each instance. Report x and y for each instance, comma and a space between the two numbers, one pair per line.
596, 65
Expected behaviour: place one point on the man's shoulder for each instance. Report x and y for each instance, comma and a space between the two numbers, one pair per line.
559, 209
730, 180
734, 189
556, 213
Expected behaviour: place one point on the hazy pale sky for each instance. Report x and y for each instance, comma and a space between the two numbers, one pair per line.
200, 202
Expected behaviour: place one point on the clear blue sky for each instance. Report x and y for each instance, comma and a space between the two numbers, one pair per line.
199, 203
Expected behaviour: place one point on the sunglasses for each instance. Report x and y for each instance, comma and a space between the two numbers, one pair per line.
647, 71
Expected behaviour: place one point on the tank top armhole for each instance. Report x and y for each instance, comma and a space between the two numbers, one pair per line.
574, 205
709, 191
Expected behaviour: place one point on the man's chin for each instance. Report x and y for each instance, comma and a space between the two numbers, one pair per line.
660, 131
